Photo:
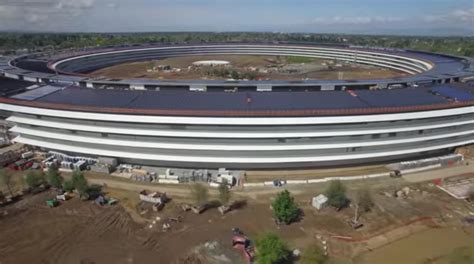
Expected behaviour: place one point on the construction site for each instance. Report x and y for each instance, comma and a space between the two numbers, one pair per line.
246, 67
237, 153
149, 215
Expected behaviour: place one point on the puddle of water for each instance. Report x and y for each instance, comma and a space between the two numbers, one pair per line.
417, 248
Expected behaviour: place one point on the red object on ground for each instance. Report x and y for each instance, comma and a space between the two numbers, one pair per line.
242, 243
438, 182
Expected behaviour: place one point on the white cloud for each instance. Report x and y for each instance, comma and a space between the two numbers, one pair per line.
33, 14
112, 5
355, 20
455, 16
74, 4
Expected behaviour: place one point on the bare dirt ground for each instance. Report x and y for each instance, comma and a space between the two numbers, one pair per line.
240, 62
268, 175
82, 232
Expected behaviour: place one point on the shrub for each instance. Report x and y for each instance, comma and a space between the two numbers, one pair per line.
6, 180
199, 193
364, 200
53, 177
336, 193
34, 178
68, 186
270, 249
94, 191
224, 192
284, 208
79, 182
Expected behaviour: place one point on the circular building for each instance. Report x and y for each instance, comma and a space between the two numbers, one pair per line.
259, 124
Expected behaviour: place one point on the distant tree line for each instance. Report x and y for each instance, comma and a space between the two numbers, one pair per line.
463, 46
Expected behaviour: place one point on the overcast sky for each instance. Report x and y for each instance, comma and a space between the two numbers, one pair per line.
428, 17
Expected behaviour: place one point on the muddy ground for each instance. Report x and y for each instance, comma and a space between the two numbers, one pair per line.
82, 232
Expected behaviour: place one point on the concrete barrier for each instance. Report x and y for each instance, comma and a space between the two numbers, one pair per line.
254, 184
317, 180
296, 181
345, 178
430, 167
268, 183
168, 181
377, 175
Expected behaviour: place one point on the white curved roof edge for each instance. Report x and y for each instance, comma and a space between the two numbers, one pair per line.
224, 147
222, 134
408, 65
257, 121
220, 159
428, 65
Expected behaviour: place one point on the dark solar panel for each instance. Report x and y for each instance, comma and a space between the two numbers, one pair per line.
205, 101
455, 93
399, 97
34, 65
186, 100
12, 86
91, 97
37, 93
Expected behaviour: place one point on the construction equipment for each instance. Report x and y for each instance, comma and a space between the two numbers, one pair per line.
223, 209
244, 244
155, 197
62, 197
20, 165
198, 209
354, 223
112, 201
52, 203
100, 200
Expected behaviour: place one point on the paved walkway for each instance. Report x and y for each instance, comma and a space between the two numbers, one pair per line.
440, 173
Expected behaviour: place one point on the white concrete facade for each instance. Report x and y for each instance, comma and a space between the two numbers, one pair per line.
244, 142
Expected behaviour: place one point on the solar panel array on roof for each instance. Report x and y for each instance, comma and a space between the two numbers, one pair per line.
186, 100
399, 97
91, 97
37, 93
204, 101
12, 86
455, 93
34, 65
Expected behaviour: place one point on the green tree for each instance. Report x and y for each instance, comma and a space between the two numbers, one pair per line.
199, 194
270, 249
284, 207
53, 177
313, 255
68, 186
364, 200
336, 193
94, 191
6, 180
79, 182
224, 192
34, 178
235, 75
